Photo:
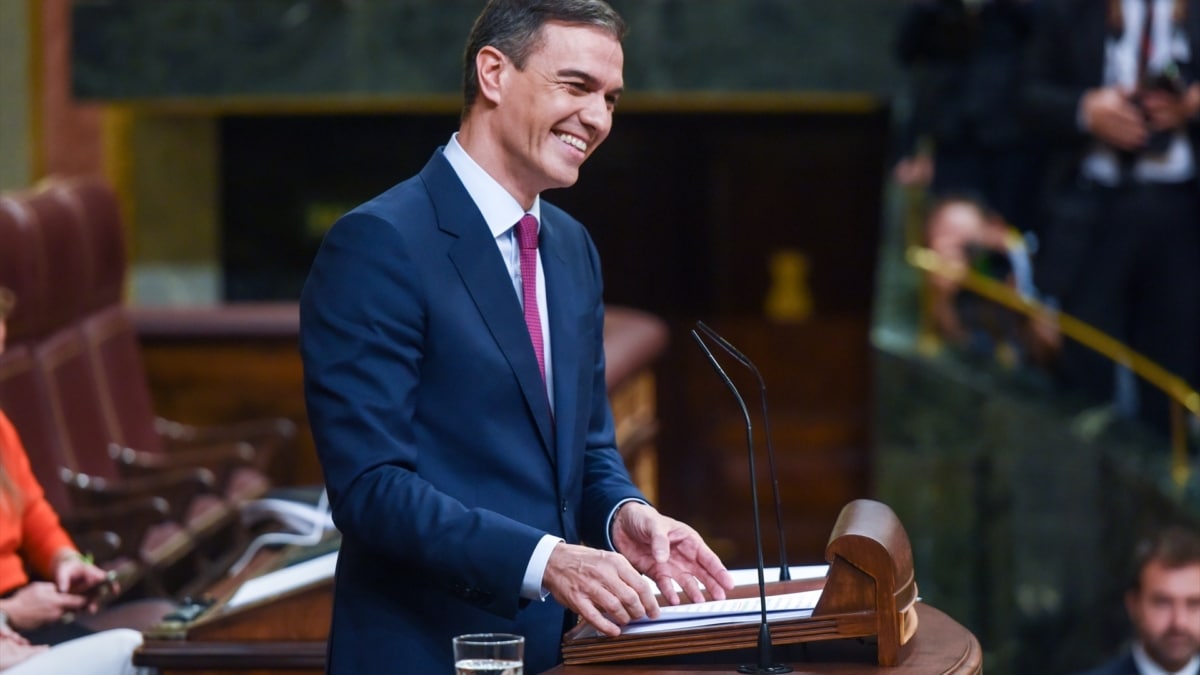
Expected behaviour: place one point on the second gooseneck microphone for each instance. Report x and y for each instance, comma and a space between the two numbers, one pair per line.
785, 573
765, 659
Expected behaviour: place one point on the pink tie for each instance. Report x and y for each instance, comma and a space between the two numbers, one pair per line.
527, 235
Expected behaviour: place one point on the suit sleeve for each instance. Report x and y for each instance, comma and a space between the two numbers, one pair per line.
363, 338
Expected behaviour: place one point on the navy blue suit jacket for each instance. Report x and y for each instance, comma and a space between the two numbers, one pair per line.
444, 464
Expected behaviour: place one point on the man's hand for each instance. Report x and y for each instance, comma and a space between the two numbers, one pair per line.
914, 171
1110, 115
594, 583
667, 550
1168, 111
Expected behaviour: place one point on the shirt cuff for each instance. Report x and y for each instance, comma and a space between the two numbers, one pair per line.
531, 585
613, 514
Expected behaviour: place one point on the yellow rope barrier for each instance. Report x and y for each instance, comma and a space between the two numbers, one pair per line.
1180, 395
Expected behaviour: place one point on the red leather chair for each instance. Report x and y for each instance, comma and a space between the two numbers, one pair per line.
237, 454
135, 533
82, 408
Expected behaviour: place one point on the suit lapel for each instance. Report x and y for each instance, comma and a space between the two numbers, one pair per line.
564, 338
478, 262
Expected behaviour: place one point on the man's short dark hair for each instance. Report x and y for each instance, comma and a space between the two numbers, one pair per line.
1173, 547
514, 27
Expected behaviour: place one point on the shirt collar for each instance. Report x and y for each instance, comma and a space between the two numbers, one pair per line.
1147, 666
500, 210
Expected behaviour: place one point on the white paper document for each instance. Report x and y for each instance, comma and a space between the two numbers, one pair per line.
283, 580
749, 575
723, 612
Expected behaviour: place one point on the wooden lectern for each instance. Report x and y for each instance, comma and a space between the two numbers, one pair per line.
869, 592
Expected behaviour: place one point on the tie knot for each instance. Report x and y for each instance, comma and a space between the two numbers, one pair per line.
527, 232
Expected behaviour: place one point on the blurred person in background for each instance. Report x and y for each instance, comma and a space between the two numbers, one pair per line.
962, 135
969, 237
1111, 86
1163, 604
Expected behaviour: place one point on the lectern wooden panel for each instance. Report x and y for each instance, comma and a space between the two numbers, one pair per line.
869, 592
941, 647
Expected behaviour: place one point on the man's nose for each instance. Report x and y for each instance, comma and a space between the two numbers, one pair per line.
1185, 619
597, 115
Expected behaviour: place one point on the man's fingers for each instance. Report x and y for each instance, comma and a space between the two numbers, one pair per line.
718, 578
646, 595
602, 587
666, 585
691, 586
660, 543
590, 614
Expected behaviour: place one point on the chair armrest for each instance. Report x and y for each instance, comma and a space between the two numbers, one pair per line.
178, 487
265, 435
125, 522
220, 458
101, 545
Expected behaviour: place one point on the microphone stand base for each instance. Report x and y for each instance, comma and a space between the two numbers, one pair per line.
764, 670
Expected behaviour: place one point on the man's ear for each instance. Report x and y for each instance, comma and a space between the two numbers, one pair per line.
491, 67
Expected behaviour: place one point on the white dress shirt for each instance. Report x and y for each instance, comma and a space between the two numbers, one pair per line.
1146, 666
1170, 44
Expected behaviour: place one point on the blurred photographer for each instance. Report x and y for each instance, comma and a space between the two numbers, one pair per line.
969, 237
1111, 85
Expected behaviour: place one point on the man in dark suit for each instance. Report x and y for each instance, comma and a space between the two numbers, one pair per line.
963, 58
1112, 85
452, 338
1163, 602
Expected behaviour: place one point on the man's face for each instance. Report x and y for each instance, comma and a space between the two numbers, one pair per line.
556, 112
1166, 613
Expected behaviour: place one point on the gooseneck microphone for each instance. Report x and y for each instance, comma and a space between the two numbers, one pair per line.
785, 573
764, 664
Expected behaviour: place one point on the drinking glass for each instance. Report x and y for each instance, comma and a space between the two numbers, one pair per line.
489, 654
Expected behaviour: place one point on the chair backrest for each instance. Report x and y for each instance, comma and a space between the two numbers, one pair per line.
65, 269
112, 347
20, 269
81, 418
115, 355
94, 205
